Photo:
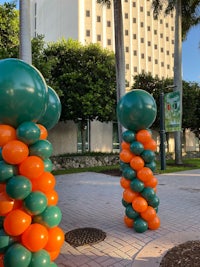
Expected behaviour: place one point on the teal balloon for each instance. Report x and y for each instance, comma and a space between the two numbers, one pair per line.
50, 217
53, 264
18, 187
40, 258
129, 173
123, 165
154, 202
136, 110
136, 147
52, 114
140, 225
148, 193
137, 185
124, 203
28, 132
151, 165
17, 255
128, 136
42, 149
130, 212
23, 92
48, 165
5, 241
148, 156
35, 203
1, 158
6, 171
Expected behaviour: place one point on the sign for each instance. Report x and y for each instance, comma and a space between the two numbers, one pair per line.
172, 112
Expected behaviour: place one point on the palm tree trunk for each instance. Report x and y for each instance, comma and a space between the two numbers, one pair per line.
119, 55
25, 31
178, 75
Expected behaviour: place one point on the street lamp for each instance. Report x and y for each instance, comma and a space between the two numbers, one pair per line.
162, 128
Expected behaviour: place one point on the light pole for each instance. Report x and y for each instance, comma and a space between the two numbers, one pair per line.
162, 128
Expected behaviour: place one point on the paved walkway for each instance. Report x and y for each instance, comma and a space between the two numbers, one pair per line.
94, 200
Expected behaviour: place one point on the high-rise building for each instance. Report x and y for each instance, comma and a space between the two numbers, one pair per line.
148, 43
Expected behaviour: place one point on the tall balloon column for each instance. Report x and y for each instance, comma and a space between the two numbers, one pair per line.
136, 111
30, 235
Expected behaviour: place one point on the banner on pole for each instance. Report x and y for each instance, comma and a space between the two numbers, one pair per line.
172, 112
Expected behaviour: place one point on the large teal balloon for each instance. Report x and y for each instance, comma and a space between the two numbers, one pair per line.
17, 255
18, 187
52, 114
23, 92
136, 110
40, 258
35, 203
42, 149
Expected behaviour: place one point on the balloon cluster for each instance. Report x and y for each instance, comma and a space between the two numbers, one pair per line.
136, 111
30, 235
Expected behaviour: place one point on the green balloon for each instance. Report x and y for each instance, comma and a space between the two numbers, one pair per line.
129, 173
6, 171
5, 241
52, 114
17, 255
136, 110
136, 147
42, 149
28, 132
124, 203
1, 158
154, 202
40, 258
148, 193
35, 203
148, 156
23, 92
48, 165
50, 217
128, 136
151, 165
140, 225
131, 213
53, 264
137, 185
18, 187
123, 165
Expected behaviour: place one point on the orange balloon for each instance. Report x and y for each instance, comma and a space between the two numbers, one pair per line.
125, 145
151, 145
154, 224
35, 237
128, 222
32, 167
53, 254
16, 222
125, 183
139, 204
43, 132
145, 174
52, 197
126, 155
129, 195
45, 183
6, 204
152, 182
149, 214
14, 152
55, 240
143, 136
7, 133
137, 163
2, 187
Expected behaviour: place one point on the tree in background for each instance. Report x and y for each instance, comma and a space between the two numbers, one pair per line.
86, 77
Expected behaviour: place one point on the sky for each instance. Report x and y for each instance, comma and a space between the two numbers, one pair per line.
190, 54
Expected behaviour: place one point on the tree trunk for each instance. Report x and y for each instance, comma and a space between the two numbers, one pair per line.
25, 31
178, 75
83, 136
119, 55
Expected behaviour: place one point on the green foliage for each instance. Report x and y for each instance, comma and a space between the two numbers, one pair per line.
9, 31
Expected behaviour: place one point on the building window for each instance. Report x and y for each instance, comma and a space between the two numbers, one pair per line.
155, 46
87, 13
148, 13
167, 25
126, 1
149, 59
167, 39
161, 21
156, 61
126, 15
142, 55
135, 69
98, 37
155, 32
172, 28
168, 66
161, 35
142, 40
127, 49
134, 4
149, 43
141, 9
109, 42
172, 41
134, 20
162, 64
161, 49
135, 53
148, 28
108, 23
87, 32
127, 66
167, 52
126, 32
134, 36
141, 24
98, 19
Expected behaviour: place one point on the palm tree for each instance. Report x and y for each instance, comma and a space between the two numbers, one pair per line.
25, 31
186, 15
119, 51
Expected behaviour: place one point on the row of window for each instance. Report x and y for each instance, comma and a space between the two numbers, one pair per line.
162, 64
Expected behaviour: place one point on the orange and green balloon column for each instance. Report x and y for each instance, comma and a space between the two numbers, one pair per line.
136, 111
30, 235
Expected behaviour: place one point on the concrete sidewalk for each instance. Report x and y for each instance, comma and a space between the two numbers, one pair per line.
94, 200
